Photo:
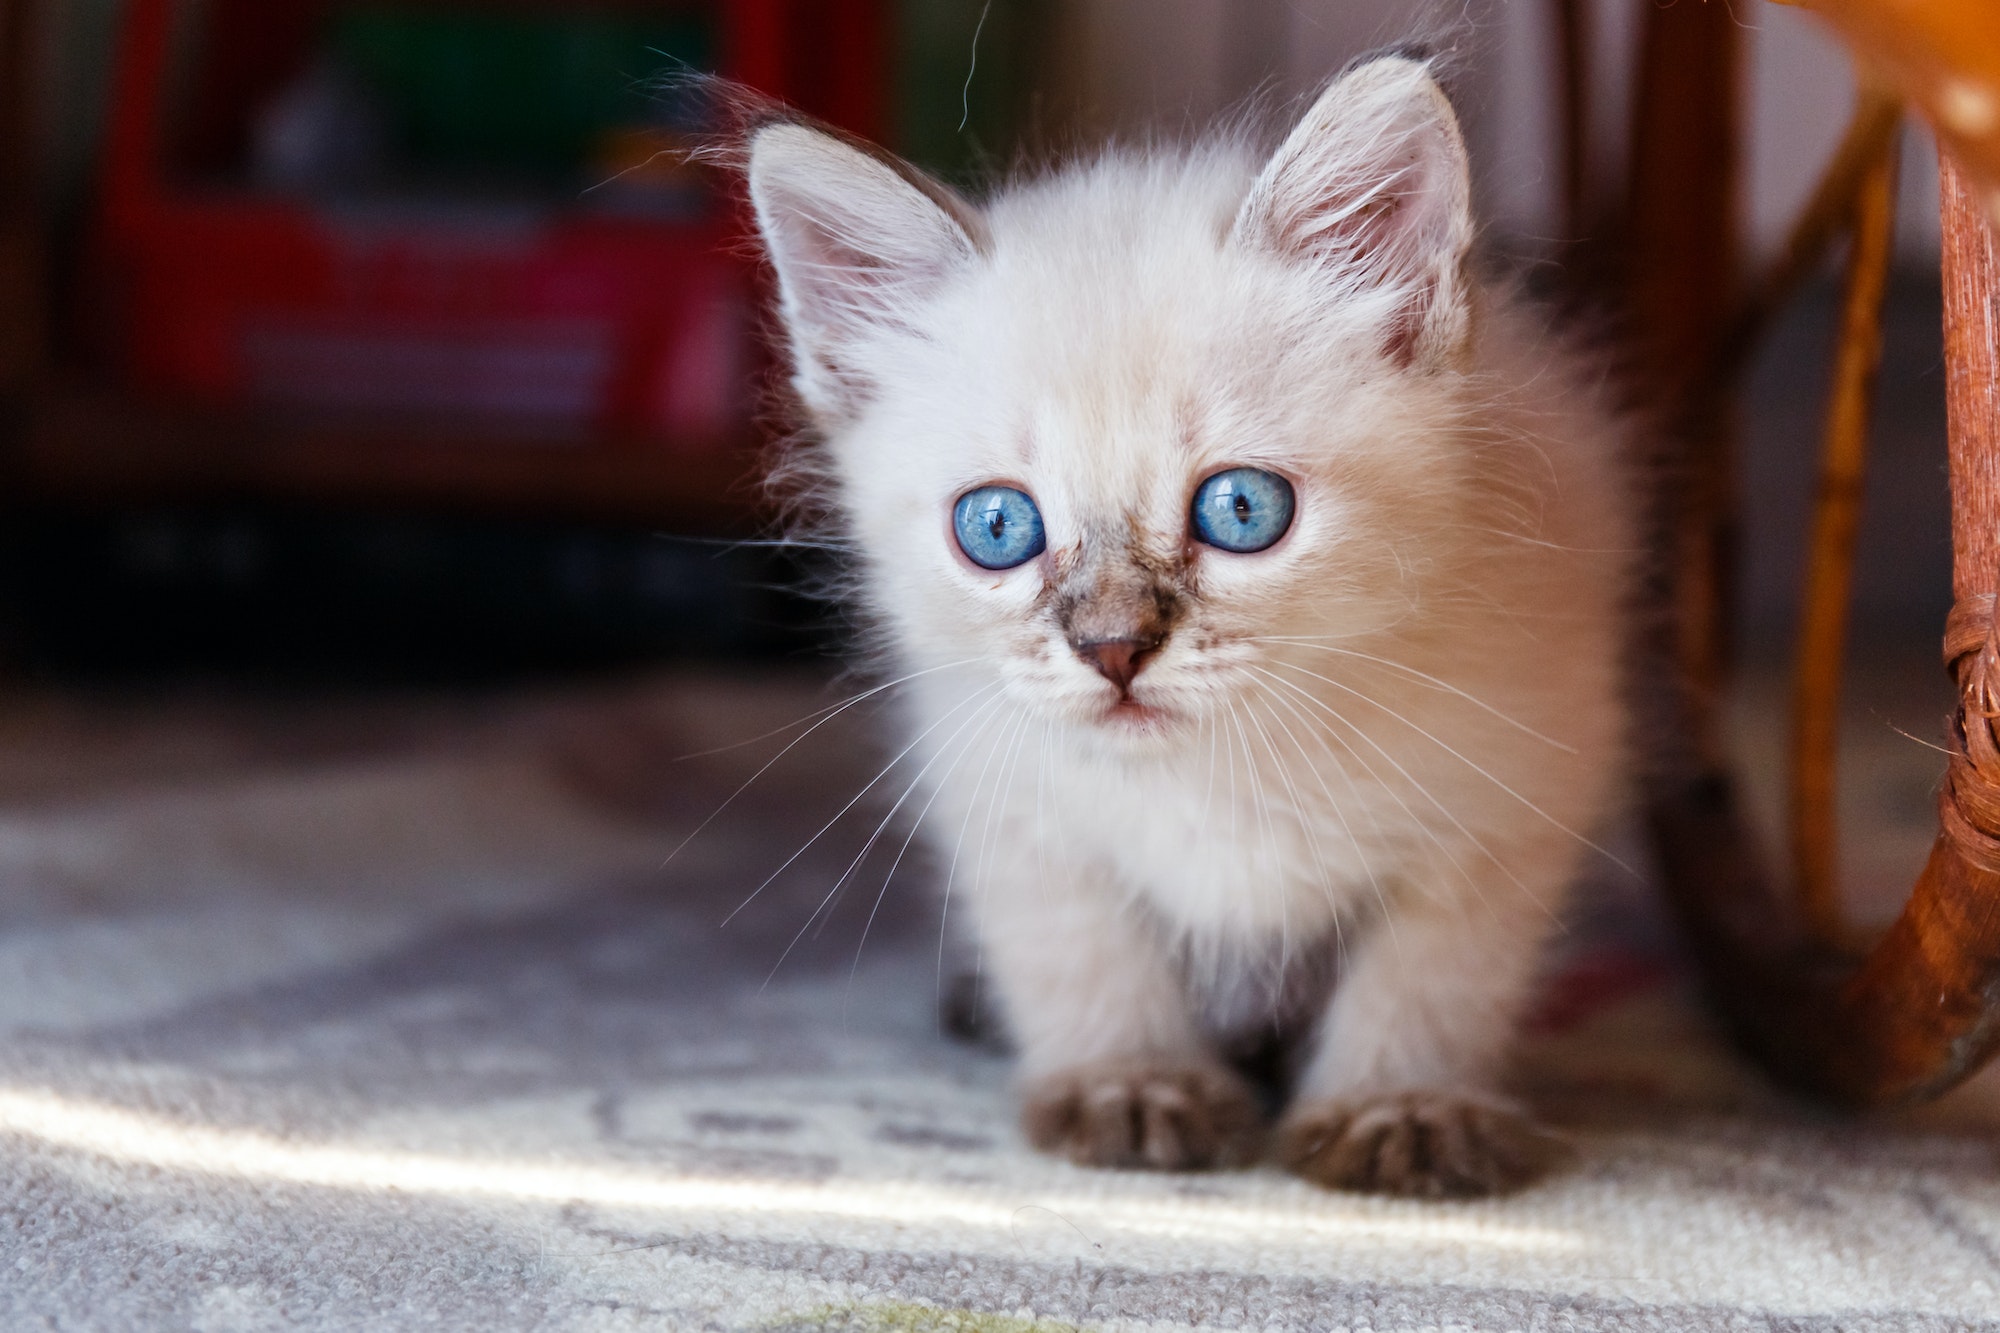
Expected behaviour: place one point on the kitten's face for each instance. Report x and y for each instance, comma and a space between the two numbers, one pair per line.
1119, 433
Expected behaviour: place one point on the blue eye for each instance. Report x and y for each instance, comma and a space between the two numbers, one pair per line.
998, 527
1244, 509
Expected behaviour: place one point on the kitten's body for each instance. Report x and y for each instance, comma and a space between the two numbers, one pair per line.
1373, 749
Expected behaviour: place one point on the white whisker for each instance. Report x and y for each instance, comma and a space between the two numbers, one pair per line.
995, 815
852, 801
1420, 824
981, 715
836, 707
1446, 686
1307, 823
1469, 763
1269, 839
831, 712
869, 845
1455, 822
1319, 734
958, 848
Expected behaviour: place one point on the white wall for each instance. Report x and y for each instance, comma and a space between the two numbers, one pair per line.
1801, 89
1167, 64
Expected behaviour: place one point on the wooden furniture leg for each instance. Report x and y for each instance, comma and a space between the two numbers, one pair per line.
1821, 648
1871, 131
1921, 1010
1679, 281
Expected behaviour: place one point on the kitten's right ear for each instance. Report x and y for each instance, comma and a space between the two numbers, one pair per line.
1372, 186
857, 240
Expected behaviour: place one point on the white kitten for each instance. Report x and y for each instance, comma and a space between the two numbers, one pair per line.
1264, 573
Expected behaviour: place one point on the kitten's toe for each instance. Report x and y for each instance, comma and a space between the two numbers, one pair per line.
1428, 1145
1168, 1117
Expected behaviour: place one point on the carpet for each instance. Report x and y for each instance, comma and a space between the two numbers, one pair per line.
409, 1013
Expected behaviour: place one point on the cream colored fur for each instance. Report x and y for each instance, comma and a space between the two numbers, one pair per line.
1382, 742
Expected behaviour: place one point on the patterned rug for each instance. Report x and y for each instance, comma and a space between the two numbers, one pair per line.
392, 1014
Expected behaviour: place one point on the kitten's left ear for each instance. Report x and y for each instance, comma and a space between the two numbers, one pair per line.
1373, 187
856, 237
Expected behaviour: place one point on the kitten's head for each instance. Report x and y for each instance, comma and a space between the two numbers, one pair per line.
1118, 429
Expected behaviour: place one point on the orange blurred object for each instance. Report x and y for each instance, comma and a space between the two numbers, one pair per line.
1944, 56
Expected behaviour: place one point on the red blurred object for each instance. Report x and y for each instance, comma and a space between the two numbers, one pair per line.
560, 321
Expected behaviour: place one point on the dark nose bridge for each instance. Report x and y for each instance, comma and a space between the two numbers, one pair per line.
1116, 607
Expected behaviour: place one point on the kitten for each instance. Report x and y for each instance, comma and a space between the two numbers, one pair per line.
1261, 573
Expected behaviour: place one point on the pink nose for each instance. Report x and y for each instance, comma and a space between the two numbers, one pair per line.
1117, 660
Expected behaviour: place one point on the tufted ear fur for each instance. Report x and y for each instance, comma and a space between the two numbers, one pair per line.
856, 238
1372, 186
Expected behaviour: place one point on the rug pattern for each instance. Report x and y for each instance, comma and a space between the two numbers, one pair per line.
435, 1032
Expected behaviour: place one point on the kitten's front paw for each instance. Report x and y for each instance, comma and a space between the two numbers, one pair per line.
1170, 1117
1427, 1145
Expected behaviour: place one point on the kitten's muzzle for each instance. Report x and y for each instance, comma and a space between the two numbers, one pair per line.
1118, 660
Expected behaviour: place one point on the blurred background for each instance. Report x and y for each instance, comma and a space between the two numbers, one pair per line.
400, 687
397, 336
352, 346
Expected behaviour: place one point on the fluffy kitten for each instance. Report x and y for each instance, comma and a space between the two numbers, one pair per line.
1262, 570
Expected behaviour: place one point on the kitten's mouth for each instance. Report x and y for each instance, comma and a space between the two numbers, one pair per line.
1129, 713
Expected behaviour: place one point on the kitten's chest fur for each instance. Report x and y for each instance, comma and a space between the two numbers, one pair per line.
1219, 845
1248, 884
